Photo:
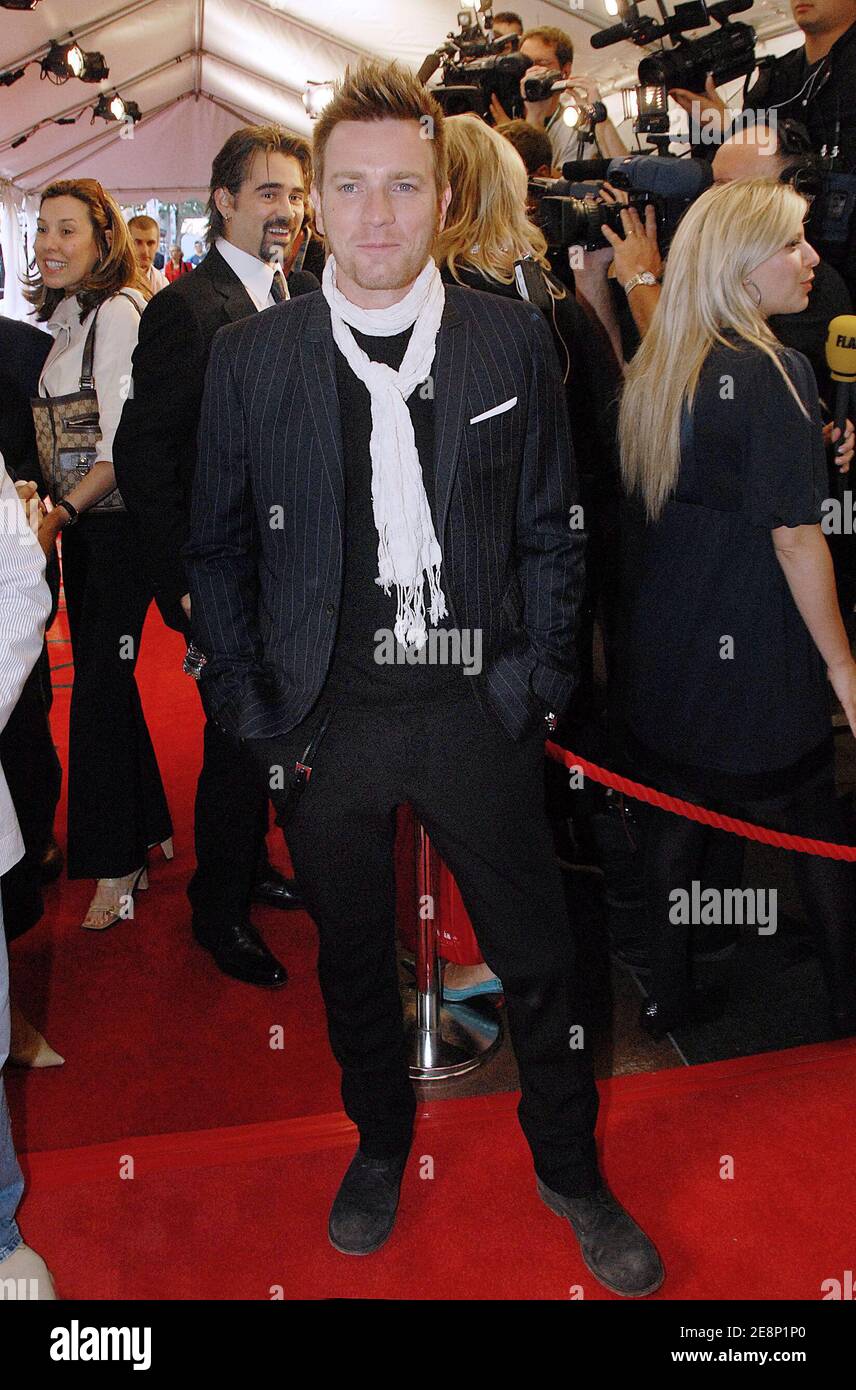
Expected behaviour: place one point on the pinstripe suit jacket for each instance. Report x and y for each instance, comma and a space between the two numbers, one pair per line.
265, 555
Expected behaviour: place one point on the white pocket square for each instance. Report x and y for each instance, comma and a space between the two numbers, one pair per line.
496, 410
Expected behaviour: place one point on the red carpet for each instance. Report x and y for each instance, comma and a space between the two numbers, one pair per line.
238, 1147
235, 1213
154, 1037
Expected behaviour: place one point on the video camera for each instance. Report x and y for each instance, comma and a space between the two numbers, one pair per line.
476, 66
569, 214
728, 52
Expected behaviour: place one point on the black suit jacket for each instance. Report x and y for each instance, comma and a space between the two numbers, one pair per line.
23, 350
265, 595
154, 452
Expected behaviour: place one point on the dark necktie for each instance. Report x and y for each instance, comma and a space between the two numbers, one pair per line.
277, 288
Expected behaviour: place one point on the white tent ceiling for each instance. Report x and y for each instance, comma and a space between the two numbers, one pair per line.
199, 68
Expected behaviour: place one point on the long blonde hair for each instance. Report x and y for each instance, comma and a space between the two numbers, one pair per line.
486, 223
725, 235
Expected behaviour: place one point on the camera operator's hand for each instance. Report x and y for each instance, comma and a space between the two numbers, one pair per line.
637, 250
588, 86
497, 110
706, 107
843, 456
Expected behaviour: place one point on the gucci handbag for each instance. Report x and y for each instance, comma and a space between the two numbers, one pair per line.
68, 430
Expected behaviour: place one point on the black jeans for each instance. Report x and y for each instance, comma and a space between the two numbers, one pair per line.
675, 855
480, 797
116, 801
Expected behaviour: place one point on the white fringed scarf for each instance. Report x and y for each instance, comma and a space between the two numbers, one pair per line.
408, 549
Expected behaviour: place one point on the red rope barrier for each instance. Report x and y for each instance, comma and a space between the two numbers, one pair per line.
823, 848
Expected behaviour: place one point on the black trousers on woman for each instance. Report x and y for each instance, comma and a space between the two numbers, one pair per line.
116, 801
675, 856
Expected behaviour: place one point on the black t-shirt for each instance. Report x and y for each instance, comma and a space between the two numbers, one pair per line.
357, 675
720, 671
821, 96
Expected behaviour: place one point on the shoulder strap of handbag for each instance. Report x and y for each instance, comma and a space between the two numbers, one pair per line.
87, 380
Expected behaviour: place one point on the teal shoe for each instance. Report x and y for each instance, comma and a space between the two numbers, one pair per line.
456, 996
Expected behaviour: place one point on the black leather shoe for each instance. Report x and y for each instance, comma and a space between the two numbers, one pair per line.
363, 1214
614, 1248
702, 1006
240, 952
658, 1022
275, 890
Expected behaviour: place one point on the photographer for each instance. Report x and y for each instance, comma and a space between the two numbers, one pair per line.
552, 50
726, 540
814, 84
757, 152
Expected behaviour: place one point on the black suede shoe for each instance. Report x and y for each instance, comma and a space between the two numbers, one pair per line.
275, 890
615, 1249
241, 953
363, 1213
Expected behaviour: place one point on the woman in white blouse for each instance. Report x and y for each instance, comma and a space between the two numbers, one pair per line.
116, 802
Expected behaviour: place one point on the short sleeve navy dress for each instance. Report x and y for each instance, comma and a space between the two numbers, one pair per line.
721, 680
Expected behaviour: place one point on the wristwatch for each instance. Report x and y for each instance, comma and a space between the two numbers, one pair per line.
70, 510
645, 277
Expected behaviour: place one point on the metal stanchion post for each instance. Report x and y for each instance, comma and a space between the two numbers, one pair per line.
443, 1039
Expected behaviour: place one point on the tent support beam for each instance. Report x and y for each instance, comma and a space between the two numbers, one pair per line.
256, 76
199, 43
80, 108
105, 137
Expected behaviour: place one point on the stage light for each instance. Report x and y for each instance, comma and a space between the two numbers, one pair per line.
115, 108
316, 95
65, 60
630, 103
570, 111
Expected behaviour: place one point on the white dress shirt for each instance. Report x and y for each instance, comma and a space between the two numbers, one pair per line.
24, 605
115, 340
256, 276
156, 278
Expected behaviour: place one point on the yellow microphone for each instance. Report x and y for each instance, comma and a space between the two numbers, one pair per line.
841, 361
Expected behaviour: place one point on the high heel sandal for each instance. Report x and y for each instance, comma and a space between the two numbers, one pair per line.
27, 1047
112, 898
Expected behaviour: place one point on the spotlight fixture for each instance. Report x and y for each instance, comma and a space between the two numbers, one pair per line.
115, 108
316, 96
65, 60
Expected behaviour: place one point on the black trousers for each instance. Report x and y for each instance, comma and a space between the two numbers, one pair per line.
481, 799
34, 774
677, 851
230, 824
116, 801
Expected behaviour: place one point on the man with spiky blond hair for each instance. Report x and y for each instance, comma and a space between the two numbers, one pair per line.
412, 442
